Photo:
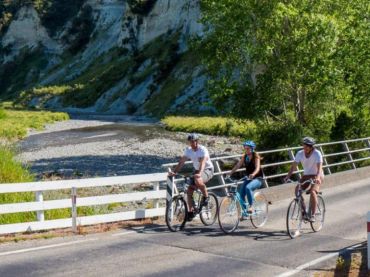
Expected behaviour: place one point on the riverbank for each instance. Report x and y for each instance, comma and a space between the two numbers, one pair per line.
91, 146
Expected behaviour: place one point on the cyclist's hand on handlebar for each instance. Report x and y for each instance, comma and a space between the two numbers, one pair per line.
171, 173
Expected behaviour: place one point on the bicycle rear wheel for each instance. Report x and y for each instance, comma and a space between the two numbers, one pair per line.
229, 214
260, 210
294, 219
208, 214
319, 215
176, 212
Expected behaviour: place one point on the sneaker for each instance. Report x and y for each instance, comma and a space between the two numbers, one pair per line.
312, 218
190, 216
205, 201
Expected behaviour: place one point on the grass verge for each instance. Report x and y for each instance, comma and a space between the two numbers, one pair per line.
14, 124
212, 126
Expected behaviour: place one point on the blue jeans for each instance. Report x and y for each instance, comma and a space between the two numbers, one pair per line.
247, 189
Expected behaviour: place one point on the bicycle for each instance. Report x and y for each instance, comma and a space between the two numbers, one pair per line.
177, 209
232, 208
298, 214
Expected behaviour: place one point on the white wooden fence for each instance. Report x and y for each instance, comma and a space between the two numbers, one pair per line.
39, 206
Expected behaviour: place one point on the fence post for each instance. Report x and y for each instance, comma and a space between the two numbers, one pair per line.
368, 142
40, 198
325, 161
169, 190
368, 240
349, 154
156, 202
74, 209
220, 177
291, 156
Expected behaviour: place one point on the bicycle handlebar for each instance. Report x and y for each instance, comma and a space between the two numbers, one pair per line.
310, 181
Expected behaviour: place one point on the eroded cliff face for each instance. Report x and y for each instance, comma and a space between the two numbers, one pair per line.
130, 55
26, 32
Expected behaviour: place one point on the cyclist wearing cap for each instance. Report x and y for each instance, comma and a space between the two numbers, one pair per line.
311, 160
202, 169
252, 162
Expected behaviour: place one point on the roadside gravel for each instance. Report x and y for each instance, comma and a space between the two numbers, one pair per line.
108, 147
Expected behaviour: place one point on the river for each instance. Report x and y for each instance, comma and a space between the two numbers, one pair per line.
108, 147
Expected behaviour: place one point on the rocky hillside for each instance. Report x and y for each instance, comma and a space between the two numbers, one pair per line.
105, 56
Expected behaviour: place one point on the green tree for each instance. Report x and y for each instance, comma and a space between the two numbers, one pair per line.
279, 58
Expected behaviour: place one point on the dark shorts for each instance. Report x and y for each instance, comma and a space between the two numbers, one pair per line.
315, 187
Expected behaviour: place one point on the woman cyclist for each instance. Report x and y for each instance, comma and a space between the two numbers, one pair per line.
251, 160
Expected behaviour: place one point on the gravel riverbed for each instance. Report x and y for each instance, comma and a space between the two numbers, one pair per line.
90, 147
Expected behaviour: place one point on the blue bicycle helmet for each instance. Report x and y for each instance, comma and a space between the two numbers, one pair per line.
250, 143
193, 136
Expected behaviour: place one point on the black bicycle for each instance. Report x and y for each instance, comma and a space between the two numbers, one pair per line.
298, 214
177, 209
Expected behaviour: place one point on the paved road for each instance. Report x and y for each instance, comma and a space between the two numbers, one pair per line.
199, 251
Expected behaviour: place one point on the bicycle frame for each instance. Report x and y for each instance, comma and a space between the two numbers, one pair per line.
299, 196
243, 204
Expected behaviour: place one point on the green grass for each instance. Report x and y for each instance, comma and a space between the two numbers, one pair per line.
12, 171
15, 123
212, 125
13, 126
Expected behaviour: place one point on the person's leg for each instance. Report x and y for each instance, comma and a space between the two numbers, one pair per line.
200, 185
313, 198
242, 192
190, 198
252, 186
201, 181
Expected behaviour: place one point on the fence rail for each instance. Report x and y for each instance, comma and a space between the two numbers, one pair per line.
156, 195
288, 153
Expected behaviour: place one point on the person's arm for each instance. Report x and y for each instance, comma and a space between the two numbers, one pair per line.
237, 166
178, 166
318, 174
257, 163
292, 169
202, 165
319, 161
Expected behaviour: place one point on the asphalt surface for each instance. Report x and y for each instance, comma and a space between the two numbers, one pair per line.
198, 250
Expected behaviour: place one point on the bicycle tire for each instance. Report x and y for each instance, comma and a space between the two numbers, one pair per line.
294, 219
208, 214
319, 215
229, 214
260, 210
176, 213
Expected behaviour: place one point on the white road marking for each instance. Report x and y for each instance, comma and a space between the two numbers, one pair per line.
124, 233
314, 262
44, 247
135, 231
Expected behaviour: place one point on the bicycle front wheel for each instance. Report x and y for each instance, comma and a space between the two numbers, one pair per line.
229, 214
176, 212
260, 210
294, 219
208, 214
319, 215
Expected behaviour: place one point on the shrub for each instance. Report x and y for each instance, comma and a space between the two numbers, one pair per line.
2, 114
212, 126
279, 134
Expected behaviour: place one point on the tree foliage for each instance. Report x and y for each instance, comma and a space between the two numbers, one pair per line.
292, 60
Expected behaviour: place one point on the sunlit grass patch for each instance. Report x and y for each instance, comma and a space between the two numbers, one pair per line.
15, 123
212, 125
